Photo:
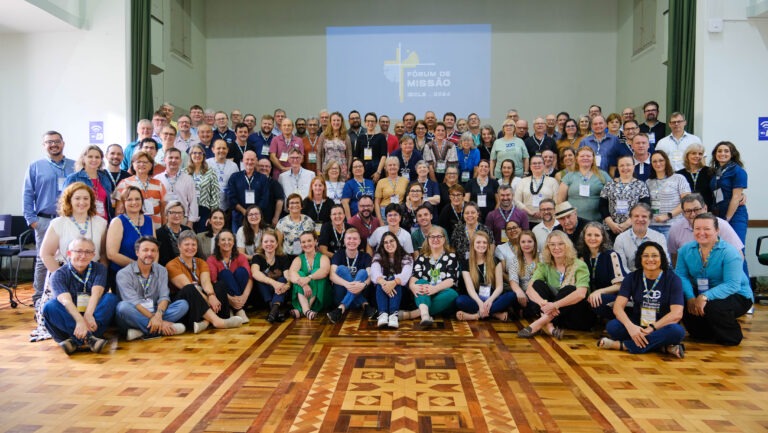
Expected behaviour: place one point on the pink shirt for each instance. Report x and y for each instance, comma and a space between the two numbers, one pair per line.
215, 266
280, 149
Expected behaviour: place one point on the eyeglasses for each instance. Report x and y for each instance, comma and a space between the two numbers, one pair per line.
692, 211
176, 212
51, 142
435, 237
513, 228
631, 128
83, 252
546, 209
556, 245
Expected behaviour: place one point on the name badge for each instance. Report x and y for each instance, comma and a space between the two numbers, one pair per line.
702, 284
504, 237
250, 196
82, 302
440, 167
677, 156
622, 207
598, 160
642, 168
148, 305
149, 206
100, 208
655, 206
647, 316
265, 150
394, 198
536, 200
484, 292
651, 138
284, 157
482, 200
318, 226
312, 157
465, 176
368, 154
60, 183
584, 190
297, 246
172, 196
718, 195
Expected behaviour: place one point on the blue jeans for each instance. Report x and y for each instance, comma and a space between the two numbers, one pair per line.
234, 282
468, 305
670, 334
61, 325
40, 269
604, 311
341, 295
386, 304
128, 317
268, 294
662, 229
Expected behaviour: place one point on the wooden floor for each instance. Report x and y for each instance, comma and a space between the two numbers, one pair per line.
350, 377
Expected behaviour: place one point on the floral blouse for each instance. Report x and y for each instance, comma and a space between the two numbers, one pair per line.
435, 271
292, 232
460, 240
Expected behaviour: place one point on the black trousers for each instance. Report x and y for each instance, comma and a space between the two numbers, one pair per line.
578, 316
719, 323
198, 305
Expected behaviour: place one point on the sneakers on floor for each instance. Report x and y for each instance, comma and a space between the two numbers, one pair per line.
233, 322
201, 326
179, 328
96, 344
335, 315
133, 334
368, 312
68, 346
383, 320
394, 323
241, 314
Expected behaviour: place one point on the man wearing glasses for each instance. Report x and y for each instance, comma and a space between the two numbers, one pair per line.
655, 129
681, 231
628, 241
43, 183
674, 144
627, 134
80, 311
547, 224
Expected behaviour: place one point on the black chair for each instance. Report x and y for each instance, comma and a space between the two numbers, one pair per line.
9, 248
763, 259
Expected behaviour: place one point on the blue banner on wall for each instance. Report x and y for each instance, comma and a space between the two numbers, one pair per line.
96, 132
762, 128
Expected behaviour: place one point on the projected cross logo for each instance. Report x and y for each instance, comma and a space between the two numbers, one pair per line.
394, 70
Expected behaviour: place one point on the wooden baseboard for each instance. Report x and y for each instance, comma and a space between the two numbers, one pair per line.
758, 223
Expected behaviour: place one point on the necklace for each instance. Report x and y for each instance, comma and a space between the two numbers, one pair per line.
84, 229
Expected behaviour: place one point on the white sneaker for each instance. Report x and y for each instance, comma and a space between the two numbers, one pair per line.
179, 328
383, 320
200, 326
393, 322
133, 334
233, 322
241, 314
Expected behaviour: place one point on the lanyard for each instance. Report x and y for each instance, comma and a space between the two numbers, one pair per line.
115, 180
353, 261
460, 214
482, 272
249, 180
194, 267
172, 181
695, 178
133, 225
317, 208
82, 230
339, 238
655, 283
61, 167
508, 216
77, 277
145, 283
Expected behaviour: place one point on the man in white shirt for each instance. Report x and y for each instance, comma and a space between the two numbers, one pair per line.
223, 168
297, 179
674, 144
547, 224
178, 184
628, 241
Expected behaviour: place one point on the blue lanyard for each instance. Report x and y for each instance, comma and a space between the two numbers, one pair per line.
87, 275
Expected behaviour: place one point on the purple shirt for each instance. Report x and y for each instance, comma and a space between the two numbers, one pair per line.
498, 218
278, 147
681, 233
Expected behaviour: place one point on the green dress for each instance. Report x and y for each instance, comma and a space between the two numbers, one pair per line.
319, 288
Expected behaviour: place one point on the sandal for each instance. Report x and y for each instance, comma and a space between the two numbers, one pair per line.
296, 314
527, 332
676, 350
426, 322
310, 314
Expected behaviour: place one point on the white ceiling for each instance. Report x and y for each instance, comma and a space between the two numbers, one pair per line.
19, 16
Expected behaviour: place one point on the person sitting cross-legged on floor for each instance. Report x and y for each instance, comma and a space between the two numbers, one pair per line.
350, 275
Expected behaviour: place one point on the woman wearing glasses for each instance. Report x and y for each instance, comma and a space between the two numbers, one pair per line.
558, 290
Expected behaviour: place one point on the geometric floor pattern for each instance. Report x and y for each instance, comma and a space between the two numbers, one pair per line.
351, 377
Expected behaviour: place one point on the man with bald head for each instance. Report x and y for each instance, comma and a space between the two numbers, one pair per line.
521, 129
539, 141
143, 130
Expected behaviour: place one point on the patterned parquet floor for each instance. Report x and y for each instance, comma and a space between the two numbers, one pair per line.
350, 377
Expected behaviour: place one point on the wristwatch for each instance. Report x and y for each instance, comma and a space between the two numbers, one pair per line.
703, 296
669, 214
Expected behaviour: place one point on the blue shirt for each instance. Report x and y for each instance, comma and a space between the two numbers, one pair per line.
408, 170
238, 184
64, 280
668, 292
228, 136
128, 155
353, 190
260, 142
41, 186
468, 162
724, 271
606, 148
733, 176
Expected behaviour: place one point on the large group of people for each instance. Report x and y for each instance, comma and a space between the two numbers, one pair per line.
583, 222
